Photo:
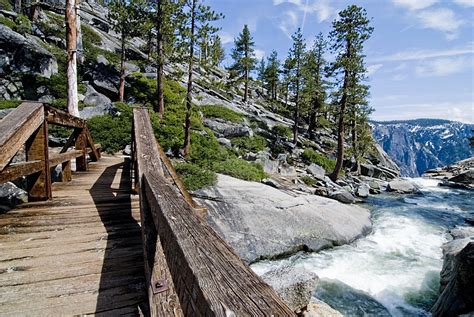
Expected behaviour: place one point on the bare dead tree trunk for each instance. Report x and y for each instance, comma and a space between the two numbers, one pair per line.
187, 124
71, 45
122, 70
18, 6
79, 46
160, 106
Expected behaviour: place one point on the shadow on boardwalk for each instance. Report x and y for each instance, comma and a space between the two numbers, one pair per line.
122, 288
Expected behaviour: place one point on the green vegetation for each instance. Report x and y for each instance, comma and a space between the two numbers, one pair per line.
194, 176
6, 5
239, 168
89, 35
311, 156
6, 21
308, 180
250, 144
5, 104
282, 131
221, 112
23, 24
112, 132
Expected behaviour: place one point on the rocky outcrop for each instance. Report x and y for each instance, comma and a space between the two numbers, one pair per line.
401, 186
458, 175
260, 221
225, 129
22, 55
96, 104
318, 308
294, 285
457, 276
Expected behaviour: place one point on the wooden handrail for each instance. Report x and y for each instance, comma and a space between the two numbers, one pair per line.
27, 126
184, 257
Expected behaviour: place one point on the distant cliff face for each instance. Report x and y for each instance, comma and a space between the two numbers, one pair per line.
418, 145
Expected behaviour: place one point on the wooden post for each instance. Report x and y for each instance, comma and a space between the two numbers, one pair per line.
66, 175
81, 142
71, 49
39, 184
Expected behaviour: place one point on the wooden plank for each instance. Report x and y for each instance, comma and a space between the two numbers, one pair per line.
39, 184
17, 127
95, 153
81, 161
17, 170
208, 276
62, 118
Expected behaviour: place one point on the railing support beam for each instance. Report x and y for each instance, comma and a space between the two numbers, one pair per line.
39, 184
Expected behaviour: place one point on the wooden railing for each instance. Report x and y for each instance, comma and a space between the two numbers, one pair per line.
27, 126
189, 269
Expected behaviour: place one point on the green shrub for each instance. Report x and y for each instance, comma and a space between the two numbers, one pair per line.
311, 156
221, 112
282, 131
50, 29
194, 176
308, 180
6, 5
56, 84
89, 35
23, 24
250, 144
239, 168
7, 22
324, 123
205, 150
5, 104
112, 132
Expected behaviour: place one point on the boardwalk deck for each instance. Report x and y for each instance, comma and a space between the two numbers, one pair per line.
80, 253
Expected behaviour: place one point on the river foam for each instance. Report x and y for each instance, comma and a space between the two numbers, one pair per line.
398, 264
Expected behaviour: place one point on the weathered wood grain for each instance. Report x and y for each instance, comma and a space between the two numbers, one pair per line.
208, 276
62, 118
78, 254
39, 184
17, 127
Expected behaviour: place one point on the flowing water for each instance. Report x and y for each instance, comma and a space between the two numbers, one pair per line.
395, 269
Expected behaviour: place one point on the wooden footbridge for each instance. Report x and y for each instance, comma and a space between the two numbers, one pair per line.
87, 245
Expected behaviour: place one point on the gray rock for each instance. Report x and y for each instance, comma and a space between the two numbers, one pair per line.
102, 60
286, 170
342, 297
457, 279
95, 99
363, 191
46, 98
225, 142
269, 166
250, 156
57, 172
465, 177
127, 150
259, 221
282, 157
89, 112
377, 171
401, 186
11, 196
317, 171
318, 308
271, 182
23, 55
343, 196
131, 68
294, 285
227, 129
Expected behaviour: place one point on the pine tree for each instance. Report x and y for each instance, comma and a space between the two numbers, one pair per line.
167, 20
286, 72
272, 73
349, 33
314, 91
193, 17
261, 71
126, 18
217, 53
296, 54
244, 58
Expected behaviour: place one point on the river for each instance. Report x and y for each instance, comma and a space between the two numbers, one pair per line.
395, 269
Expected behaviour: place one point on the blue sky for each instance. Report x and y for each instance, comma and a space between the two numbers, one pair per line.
420, 57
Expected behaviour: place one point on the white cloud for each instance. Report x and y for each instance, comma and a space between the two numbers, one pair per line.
441, 19
289, 22
259, 54
372, 69
443, 67
226, 37
425, 54
465, 3
414, 4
